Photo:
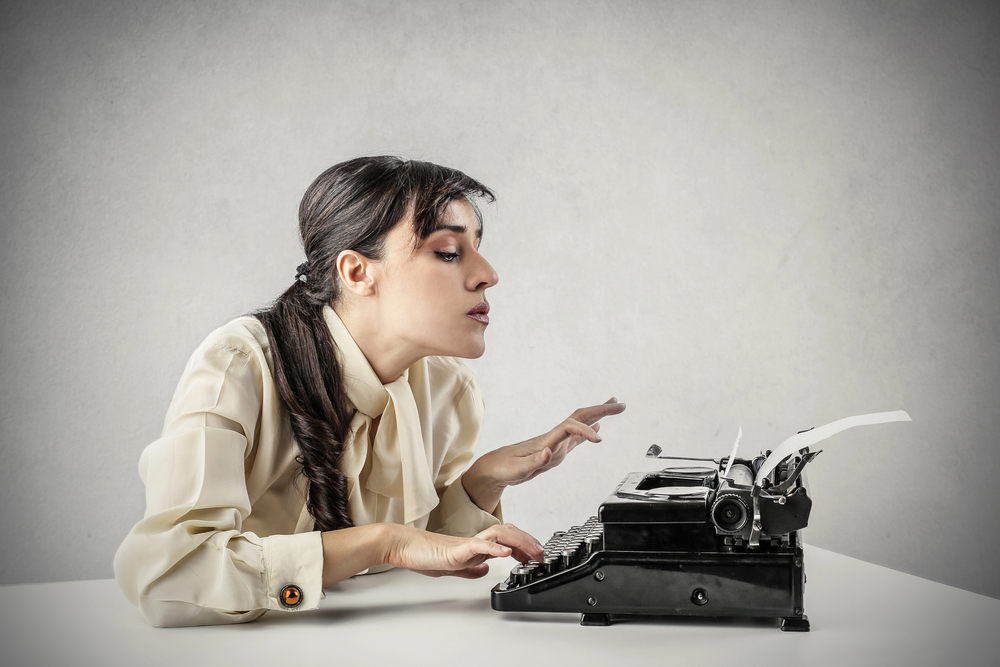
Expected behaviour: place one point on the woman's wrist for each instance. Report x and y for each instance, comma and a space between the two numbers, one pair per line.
349, 551
482, 488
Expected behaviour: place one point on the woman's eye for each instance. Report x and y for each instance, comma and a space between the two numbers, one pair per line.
448, 256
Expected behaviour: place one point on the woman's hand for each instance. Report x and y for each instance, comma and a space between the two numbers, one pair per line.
438, 555
515, 464
523, 546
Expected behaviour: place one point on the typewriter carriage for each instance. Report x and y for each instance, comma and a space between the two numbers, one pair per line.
737, 507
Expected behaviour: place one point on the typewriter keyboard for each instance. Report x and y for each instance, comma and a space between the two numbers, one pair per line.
564, 550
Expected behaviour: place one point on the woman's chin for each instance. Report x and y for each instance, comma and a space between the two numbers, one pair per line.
473, 350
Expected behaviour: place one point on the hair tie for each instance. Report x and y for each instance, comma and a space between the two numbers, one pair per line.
302, 272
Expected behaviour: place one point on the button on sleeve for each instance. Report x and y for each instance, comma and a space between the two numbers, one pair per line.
294, 566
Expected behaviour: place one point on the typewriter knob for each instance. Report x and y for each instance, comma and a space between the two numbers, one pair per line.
729, 513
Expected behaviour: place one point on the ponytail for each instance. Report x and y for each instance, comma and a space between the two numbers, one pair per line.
308, 378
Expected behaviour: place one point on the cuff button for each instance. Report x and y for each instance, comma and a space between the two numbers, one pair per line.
290, 596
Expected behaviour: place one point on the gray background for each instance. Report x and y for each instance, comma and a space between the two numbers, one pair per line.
768, 215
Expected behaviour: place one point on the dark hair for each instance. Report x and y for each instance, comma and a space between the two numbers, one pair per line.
350, 206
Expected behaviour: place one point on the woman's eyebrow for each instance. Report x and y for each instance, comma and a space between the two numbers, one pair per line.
459, 229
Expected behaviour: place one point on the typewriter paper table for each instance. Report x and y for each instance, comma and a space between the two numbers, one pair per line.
861, 614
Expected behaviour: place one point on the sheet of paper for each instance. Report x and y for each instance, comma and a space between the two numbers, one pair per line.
732, 454
820, 433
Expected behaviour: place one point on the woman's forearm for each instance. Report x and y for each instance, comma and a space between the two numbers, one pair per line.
351, 550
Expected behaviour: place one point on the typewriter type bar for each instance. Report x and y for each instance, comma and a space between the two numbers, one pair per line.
679, 542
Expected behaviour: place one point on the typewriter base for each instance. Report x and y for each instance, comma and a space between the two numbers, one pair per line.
612, 585
792, 624
595, 619
795, 624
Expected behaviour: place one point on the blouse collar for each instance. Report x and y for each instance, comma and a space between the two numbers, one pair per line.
364, 389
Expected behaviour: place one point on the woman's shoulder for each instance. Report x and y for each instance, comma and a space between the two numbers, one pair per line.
243, 336
227, 375
245, 333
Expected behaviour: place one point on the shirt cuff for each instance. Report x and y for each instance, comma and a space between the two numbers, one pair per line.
457, 515
293, 566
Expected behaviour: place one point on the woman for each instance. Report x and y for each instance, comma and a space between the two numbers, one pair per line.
329, 435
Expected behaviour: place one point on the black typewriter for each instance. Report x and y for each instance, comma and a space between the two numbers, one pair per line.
692, 540
704, 537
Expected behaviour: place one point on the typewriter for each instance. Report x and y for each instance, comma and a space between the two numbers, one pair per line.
701, 537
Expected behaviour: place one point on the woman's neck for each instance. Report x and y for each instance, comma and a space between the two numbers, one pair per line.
385, 353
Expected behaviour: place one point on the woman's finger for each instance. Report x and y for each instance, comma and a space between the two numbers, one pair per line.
573, 427
487, 548
523, 546
593, 413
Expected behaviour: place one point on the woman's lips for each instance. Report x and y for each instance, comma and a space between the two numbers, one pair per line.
480, 313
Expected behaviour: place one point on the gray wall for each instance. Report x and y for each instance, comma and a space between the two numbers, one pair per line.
768, 215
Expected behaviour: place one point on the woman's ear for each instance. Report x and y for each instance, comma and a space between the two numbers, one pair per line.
355, 272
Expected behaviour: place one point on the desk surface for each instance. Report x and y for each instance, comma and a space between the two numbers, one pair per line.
861, 614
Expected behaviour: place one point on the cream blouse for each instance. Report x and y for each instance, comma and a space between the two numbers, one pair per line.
227, 527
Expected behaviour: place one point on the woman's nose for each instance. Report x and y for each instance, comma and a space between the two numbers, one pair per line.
484, 275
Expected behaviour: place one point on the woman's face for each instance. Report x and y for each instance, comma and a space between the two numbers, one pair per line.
433, 294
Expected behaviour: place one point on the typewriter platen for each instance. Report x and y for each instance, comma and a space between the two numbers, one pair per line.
688, 540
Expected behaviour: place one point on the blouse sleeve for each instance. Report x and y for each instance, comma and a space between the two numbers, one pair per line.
187, 562
456, 514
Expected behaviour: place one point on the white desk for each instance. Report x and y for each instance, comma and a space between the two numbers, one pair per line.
861, 614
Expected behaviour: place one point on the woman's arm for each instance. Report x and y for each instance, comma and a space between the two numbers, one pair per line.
351, 550
190, 560
515, 464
